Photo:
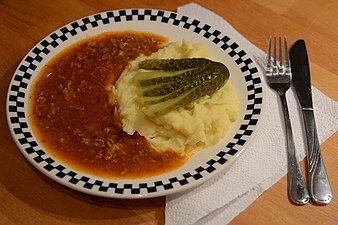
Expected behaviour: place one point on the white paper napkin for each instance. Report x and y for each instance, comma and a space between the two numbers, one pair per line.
263, 163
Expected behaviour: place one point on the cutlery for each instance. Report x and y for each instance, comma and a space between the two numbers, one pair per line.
319, 185
278, 77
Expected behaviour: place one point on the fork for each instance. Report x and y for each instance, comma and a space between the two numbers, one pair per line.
278, 76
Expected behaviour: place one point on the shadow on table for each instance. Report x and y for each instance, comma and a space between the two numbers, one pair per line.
41, 195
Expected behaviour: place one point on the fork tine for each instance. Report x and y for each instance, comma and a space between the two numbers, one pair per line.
274, 52
287, 57
280, 51
268, 56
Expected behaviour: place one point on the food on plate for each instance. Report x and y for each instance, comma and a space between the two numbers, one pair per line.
86, 110
173, 83
189, 128
72, 116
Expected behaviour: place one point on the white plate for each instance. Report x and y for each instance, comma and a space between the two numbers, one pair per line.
244, 75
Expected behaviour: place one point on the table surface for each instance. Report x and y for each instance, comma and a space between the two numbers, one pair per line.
28, 197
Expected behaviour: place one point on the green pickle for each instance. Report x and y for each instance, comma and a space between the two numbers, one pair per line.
168, 84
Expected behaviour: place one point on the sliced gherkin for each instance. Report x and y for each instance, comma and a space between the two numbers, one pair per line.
174, 64
173, 83
160, 76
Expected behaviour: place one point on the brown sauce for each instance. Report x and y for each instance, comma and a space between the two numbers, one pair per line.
74, 120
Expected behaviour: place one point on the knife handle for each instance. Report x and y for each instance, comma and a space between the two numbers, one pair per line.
319, 185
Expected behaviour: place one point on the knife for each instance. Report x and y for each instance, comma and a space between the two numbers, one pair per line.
319, 185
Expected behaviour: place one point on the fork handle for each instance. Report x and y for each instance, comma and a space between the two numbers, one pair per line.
319, 186
297, 189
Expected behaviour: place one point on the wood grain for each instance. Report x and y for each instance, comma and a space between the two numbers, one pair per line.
28, 197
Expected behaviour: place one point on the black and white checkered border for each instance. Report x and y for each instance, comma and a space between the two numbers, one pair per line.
18, 91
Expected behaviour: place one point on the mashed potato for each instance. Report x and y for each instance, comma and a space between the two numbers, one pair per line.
196, 126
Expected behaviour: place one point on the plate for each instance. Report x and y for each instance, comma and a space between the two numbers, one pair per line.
202, 166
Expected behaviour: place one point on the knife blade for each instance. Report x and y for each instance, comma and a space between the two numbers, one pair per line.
319, 185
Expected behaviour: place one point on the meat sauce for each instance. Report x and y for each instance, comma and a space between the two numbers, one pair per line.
74, 119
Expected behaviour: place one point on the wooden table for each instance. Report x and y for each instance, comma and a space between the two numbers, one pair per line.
28, 197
